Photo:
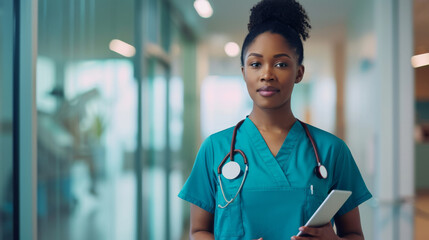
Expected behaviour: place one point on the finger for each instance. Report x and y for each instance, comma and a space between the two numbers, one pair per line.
300, 238
314, 232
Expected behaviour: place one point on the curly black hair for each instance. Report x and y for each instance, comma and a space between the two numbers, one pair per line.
285, 17
288, 12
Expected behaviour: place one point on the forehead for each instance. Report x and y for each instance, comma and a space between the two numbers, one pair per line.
268, 43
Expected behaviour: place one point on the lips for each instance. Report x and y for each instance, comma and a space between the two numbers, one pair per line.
267, 91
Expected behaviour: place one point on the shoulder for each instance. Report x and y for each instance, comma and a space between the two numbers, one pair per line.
321, 134
216, 141
214, 145
333, 150
221, 136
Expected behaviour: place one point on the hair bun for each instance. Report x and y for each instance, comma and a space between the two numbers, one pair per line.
288, 12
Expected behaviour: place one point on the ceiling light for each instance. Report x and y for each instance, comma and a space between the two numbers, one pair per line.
420, 60
203, 7
122, 48
232, 49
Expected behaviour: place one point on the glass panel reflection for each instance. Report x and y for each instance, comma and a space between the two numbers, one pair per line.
86, 103
154, 171
162, 171
7, 184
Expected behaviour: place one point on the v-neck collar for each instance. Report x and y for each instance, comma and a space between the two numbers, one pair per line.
278, 164
287, 150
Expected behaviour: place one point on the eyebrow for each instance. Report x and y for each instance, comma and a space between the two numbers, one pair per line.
255, 54
275, 56
282, 55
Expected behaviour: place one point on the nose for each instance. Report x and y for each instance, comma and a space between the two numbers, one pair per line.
267, 74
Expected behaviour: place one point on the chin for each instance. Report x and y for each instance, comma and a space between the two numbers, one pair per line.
270, 106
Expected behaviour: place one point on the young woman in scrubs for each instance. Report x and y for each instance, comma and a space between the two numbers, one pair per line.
280, 190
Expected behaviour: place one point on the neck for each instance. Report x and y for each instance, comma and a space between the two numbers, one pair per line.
272, 119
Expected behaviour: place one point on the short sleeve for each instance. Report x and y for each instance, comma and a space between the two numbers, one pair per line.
347, 177
200, 187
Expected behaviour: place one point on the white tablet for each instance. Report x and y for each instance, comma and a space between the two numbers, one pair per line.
328, 208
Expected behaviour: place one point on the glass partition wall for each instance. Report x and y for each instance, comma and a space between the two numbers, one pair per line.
86, 105
162, 124
93, 97
89, 52
7, 66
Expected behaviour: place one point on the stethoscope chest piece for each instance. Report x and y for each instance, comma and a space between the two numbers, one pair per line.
321, 171
231, 170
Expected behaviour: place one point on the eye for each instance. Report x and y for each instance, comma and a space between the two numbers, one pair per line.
281, 64
255, 64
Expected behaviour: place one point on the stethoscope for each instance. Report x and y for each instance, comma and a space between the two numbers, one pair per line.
232, 169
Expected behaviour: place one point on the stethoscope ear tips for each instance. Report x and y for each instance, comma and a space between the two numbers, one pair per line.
321, 171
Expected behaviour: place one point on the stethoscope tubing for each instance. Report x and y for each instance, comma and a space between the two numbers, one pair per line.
233, 151
239, 189
312, 142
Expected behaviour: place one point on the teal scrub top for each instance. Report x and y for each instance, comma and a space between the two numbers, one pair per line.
279, 193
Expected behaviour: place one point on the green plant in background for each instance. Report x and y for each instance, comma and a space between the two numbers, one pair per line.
98, 127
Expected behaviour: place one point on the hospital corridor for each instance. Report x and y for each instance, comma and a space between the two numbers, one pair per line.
104, 105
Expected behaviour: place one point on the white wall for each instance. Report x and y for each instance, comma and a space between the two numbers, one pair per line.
379, 112
360, 96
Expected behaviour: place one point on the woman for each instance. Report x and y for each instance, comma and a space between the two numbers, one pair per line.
280, 187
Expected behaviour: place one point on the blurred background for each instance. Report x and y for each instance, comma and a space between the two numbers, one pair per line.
104, 103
